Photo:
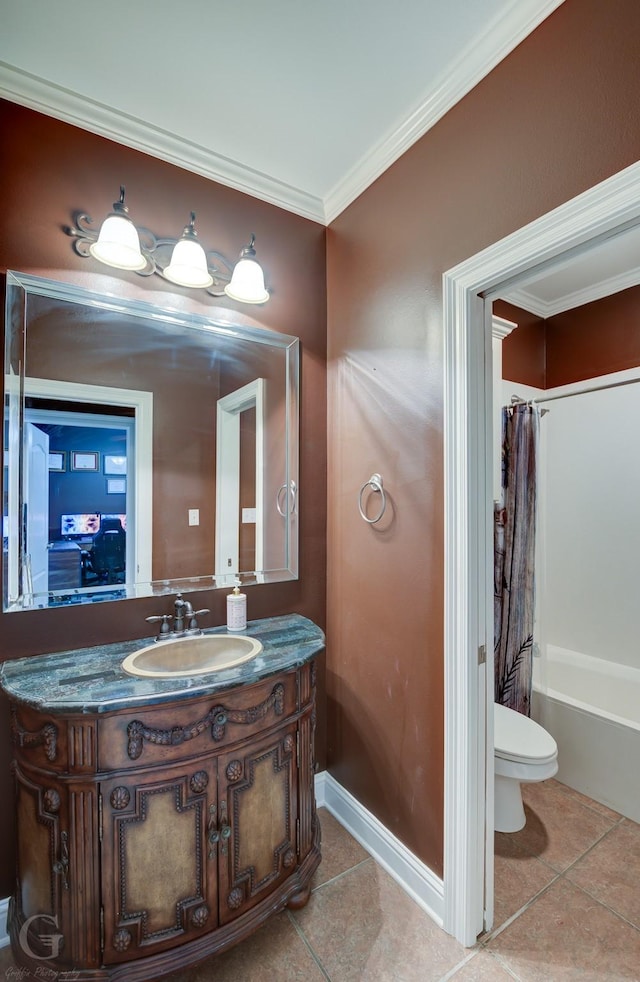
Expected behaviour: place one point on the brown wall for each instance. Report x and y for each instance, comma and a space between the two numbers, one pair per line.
523, 351
49, 170
595, 339
559, 115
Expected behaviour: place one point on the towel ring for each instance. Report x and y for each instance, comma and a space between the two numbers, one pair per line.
294, 491
375, 483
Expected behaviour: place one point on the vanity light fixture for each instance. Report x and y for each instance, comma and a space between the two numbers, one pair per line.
118, 243
247, 282
188, 266
182, 261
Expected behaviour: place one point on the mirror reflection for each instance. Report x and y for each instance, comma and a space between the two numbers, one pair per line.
145, 450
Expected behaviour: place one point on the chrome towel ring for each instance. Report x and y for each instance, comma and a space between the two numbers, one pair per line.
282, 498
375, 483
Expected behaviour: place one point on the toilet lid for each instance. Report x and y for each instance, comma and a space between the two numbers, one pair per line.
516, 737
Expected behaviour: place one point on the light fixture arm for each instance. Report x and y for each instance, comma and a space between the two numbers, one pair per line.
190, 229
119, 207
248, 252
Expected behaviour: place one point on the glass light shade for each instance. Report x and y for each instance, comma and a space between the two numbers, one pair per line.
188, 266
118, 244
247, 283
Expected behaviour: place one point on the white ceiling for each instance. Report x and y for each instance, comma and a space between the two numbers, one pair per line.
303, 103
299, 102
600, 270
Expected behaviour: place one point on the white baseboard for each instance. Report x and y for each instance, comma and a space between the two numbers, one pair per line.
415, 878
4, 934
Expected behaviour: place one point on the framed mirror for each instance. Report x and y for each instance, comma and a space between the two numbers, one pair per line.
146, 451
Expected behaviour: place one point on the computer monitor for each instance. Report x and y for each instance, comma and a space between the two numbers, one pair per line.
85, 524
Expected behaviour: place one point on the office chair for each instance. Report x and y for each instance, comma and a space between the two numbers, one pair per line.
108, 555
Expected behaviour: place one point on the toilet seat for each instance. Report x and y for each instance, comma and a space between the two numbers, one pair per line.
520, 739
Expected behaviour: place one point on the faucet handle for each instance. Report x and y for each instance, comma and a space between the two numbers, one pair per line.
164, 628
193, 622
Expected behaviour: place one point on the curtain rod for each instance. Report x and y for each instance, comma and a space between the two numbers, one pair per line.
515, 399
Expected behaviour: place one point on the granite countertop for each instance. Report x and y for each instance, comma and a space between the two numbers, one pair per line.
91, 680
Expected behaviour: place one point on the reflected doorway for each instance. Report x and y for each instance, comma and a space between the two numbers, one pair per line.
78, 511
96, 444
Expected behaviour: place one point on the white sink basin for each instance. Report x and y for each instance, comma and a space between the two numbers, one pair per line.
182, 657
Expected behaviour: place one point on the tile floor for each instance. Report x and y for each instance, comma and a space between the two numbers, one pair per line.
567, 907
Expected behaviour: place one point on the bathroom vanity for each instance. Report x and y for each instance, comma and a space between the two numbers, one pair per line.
160, 820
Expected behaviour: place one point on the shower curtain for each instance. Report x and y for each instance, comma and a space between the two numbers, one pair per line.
514, 553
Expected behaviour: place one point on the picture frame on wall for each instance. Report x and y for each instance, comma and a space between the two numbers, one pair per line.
115, 464
116, 485
57, 460
84, 460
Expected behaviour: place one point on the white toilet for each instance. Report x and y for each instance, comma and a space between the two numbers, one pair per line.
524, 752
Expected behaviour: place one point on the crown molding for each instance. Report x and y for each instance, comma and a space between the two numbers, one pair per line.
500, 36
595, 291
501, 328
61, 103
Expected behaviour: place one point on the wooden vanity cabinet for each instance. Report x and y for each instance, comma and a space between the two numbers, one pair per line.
151, 837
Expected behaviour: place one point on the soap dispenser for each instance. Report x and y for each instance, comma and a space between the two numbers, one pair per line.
236, 609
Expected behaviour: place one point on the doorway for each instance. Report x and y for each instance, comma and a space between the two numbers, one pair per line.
240, 464
602, 212
84, 486
138, 480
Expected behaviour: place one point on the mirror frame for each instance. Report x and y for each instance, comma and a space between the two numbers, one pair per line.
225, 323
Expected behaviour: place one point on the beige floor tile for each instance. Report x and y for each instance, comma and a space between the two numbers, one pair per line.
483, 967
559, 828
611, 871
275, 952
588, 802
566, 935
340, 851
517, 880
364, 928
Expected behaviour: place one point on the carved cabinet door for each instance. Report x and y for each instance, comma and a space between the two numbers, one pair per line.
43, 899
257, 807
159, 859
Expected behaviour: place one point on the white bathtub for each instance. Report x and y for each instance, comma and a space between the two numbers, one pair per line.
592, 709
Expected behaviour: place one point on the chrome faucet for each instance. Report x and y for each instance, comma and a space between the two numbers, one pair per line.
185, 620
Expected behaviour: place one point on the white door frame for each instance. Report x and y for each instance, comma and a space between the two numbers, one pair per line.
601, 212
227, 534
127, 424
140, 477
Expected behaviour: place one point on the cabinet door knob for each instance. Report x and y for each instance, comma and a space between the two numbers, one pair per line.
212, 832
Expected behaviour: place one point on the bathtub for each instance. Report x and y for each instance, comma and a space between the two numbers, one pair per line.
592, 709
